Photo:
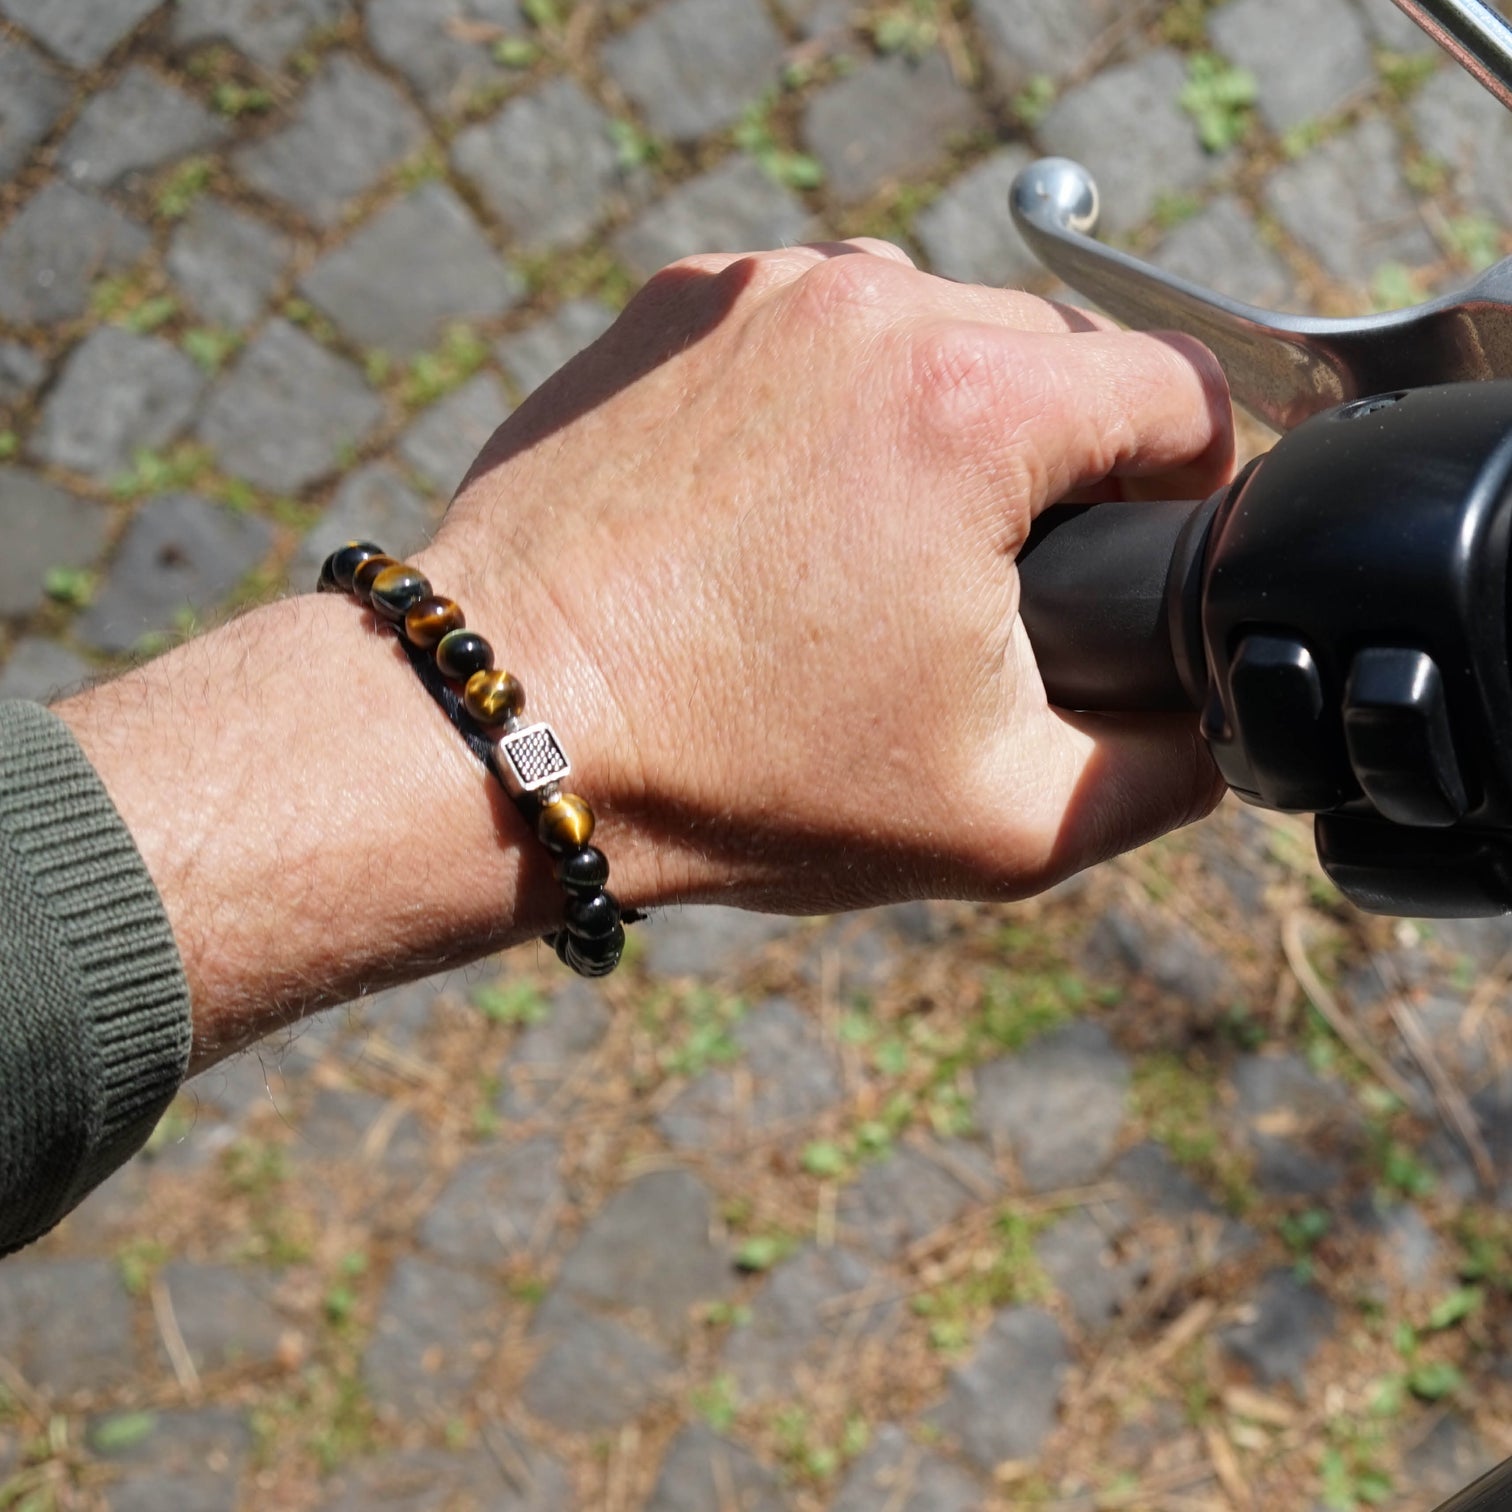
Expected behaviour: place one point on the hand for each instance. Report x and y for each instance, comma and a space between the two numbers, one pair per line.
755, 552
752, 555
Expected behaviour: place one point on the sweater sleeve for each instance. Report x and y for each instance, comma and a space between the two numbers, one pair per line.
95, 1024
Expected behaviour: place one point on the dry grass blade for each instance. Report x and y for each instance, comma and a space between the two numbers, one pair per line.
1453, 1109
1226, 1467
1340, 1022
173, 1339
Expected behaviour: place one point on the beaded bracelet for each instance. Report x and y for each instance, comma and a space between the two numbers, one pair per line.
528, 760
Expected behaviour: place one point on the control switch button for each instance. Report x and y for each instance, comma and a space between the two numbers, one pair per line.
1278, 708
1396, 728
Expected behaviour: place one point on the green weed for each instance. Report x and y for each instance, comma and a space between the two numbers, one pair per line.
1220, 98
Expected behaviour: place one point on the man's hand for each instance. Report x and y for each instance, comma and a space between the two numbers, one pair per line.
755, 553
752, 554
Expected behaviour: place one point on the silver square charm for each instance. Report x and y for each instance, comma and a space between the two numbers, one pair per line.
530, 759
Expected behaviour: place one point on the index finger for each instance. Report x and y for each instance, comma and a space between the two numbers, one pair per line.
1040, 415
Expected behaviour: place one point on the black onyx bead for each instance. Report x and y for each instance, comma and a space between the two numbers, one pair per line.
592, 916
591, 969
344, 563
560, 942
397, 589
583, 871
462, 653
604, 953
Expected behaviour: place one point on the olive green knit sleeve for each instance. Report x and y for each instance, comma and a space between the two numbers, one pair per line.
94, 1009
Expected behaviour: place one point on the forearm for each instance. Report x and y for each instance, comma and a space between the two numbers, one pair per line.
313, 823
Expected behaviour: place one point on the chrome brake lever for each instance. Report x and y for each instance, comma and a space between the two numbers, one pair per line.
1283, 368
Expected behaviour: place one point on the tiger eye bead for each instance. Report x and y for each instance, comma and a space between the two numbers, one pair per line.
592, 916
396, 588
428, 620
493, 698
460, 653
367, 572
583, 871
344, 563
566, 824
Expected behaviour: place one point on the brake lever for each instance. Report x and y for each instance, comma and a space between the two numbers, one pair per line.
1283, 368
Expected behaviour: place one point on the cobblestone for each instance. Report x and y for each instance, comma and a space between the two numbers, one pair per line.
287, 411
409, 272
40, 669
707, 941
888, 121
119, 393
1395, 30
348, 1124
1297, 84
1051, 39
139, 124
174, 1461
21, 372
1449, 1457
1281, 1330
44, 527
225, 1314
1222, 249
648, 1252
443, 442
808, 1317
180, 553
896, 1202
1172, 956
1469, 131
1001, 1404
1349, 205
58, 1346
267, 31
594, 1373
968, 233
786, 1075
429, 1341
546, 165
516, 1477
734, 207
702, 1470
1126, 128
902, 1476
350, 128
32, 97
1086, 1268
1058, 1106
548, 1053
531, 356
692, 66
80, 32
498, 1205
428, 42
372, 503
53, 251
1299, 1127
227, 261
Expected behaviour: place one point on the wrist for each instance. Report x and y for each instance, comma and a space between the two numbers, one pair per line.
313, 824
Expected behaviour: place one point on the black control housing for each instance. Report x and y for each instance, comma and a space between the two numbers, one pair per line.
1339, 618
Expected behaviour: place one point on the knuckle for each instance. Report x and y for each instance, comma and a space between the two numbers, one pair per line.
843, 287
965, 383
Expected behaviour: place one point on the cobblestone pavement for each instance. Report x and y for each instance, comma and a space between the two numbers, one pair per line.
1080, 1204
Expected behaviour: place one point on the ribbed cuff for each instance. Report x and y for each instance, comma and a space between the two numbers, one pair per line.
95, 1027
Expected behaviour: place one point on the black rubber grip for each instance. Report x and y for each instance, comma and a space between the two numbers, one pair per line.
1107, 590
